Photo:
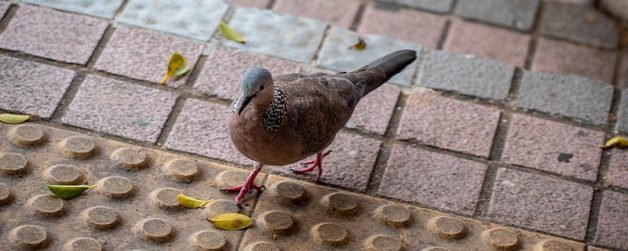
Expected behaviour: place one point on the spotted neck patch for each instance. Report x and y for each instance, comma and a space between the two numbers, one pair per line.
276, 112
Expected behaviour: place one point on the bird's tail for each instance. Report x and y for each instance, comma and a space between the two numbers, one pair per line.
390, 64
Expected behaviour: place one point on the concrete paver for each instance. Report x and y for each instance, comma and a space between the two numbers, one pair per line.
402, 23
612, 224
617, 175
512, 14
466, 75
53, 34
103, 8
571, 96
430, 5
448, 123
336, 13
622, 119
541, 203
144, 54
375, 110
119, 108
32, 88
284, 36
189, 18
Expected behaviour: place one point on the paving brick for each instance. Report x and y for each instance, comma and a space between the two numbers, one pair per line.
612, 224
566, 58
448, 123
487, 42
375, 110
262, 4
617, 175
571, 96
466, 75
622, 122
53, 34
284, 36
102, 8
541, 203
512, 14
402, 23
580, 23
120, 108
144, 54
435, 180
336, 53
540, 144
431, 5
337, 13
221, 73
189, 18
622, 75
28, 87
349, 165
202, 128
4, 6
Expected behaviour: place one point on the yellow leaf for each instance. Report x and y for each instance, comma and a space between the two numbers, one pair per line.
360, 45
177, 67
618, 141
191, 202
230, 33
13, 118
231, 221
69, 191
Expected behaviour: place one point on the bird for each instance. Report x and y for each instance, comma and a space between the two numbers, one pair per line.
284, 119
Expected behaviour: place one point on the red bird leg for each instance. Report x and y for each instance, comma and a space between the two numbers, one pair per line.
248, 184
314, 164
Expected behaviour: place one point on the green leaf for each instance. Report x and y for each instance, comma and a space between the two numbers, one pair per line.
231, 221
177, 67
230, 33
617, 141
67, 192
13, 118
191, 202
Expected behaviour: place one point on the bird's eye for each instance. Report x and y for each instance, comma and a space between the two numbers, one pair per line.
261, 88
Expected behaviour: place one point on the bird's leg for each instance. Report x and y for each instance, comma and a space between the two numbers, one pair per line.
314, 164
248, 184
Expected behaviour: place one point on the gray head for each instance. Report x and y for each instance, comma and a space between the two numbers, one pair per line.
254, 80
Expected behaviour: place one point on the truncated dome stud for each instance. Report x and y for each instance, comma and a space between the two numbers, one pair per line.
166, 198
116, 187
13, 163
101, 217
182, 170
277, 221
552, 245
330, 233
155, 230
446, 227
393, 215
434, 249
47, 205
130, 158
289, 191
262, 246
29, 237
217, 207
208, 241
383, 243
63, 174
27, 135
83, 244
78, 147
501, 239
5, 194
341, 203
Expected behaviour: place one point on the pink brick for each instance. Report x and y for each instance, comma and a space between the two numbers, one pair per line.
487, 42
261, 4
448, 123
53, 34
435, 180
567, 58
612, 224
4, 6
554, 147
402, 23
374, 111
617, 175
623, 72
336, 13
221, 73
144, 54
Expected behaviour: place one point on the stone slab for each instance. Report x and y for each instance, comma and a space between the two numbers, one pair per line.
284, 36
466, 74
511, 14
570, 96
120, 108
612, 224
622, 119
375, 110
101, 8
617, 175
440, 6
336, 53
336, 13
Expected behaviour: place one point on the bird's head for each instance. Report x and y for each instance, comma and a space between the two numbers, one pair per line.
255, 82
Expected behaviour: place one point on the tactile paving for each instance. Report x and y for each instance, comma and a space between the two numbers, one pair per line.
133, 206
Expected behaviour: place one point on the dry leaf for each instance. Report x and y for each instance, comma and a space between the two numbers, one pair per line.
230, 33
177, 67
360, 45
231, 221
617, 141
13, 118
191, 202
69, 191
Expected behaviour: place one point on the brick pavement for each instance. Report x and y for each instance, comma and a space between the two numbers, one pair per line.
506, 135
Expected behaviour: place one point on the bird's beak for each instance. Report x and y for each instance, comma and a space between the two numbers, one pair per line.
243, 103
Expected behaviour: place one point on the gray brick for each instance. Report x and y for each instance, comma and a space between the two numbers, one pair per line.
580, 23
566, 95
622, 123
431, 5
190, 18
336, 53
515, 14
284, 36
612, 224
100, 8
466, 75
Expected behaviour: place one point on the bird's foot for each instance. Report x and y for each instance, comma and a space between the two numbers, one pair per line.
246, 187
316, 164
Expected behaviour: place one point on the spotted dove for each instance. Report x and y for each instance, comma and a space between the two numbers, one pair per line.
283, 119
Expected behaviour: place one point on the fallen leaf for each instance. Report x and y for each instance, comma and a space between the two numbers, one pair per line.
231, 221
191, 202
230, 33
617, 141
360, 45
13, 118
67, 192
177, 67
